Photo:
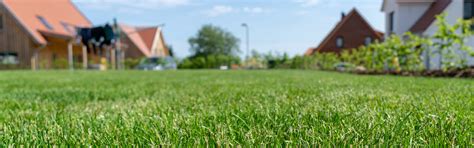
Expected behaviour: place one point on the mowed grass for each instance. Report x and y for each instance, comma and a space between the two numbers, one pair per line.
230, 108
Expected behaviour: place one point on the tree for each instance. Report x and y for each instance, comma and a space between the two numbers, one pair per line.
170, 50
212, 40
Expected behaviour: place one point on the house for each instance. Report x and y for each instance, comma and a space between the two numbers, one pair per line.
39, 33
418, 17
351, 32
141, 42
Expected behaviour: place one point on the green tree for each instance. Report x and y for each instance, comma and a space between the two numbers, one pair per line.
212, 40
170, 50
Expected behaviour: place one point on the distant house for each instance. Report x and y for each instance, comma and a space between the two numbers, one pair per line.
143, 42
41, 34
351, 32
418, 16
37, 33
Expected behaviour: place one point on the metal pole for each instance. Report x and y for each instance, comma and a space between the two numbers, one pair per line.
247, 31
118, 61
248, 42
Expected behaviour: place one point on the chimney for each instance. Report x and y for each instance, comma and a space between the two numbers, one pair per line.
343, 15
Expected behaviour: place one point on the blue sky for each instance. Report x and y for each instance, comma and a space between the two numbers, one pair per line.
279, 26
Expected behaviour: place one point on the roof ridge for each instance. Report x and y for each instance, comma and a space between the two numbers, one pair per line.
26, 12
352, 13
338, 25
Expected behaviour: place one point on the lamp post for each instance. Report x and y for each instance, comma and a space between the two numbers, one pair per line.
247, 39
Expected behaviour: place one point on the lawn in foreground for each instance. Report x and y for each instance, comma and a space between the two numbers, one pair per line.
233, 107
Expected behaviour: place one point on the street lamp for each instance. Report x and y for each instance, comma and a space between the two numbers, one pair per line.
248, 41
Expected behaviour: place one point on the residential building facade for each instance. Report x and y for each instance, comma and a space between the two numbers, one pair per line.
37, 34
42, 34
419, 17
143, 42
352, 32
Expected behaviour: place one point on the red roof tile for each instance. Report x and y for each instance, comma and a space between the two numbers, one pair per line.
148, 35
61, 15
144, 38
134, 36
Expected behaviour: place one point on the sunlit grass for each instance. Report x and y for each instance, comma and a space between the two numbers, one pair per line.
233, 108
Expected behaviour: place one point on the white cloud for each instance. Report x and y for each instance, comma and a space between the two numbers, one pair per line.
134, 3
308, 3
337, 3
173, 2
254, 10
219, 10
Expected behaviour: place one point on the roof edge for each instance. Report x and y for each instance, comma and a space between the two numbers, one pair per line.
22, 24
162, 39
429, 16
134, 30
155, 38
353, 12
80, 12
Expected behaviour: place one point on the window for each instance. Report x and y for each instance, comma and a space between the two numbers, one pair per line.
391, 23
368, 41
9, 58
67, 27
340, 42
469, 11
45, 22
1, 22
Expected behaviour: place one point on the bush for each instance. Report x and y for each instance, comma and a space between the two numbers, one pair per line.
402, 53
208, 62
60, 64
131, 63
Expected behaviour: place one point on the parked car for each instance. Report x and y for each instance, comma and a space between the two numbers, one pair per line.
157, 63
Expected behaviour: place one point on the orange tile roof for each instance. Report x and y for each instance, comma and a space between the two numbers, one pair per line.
144, 38
148, 35
133, 34
62, 15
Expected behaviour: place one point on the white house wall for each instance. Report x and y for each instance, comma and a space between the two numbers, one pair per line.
390, 6
408, 15
454, 12
405, 16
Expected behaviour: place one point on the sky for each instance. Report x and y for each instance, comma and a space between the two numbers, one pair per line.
277, 26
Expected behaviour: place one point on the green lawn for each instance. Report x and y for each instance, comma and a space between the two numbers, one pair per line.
233, 108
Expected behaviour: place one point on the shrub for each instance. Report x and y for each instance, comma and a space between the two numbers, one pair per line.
450, 41
60, 64
131, 63
208, 62
326, 61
